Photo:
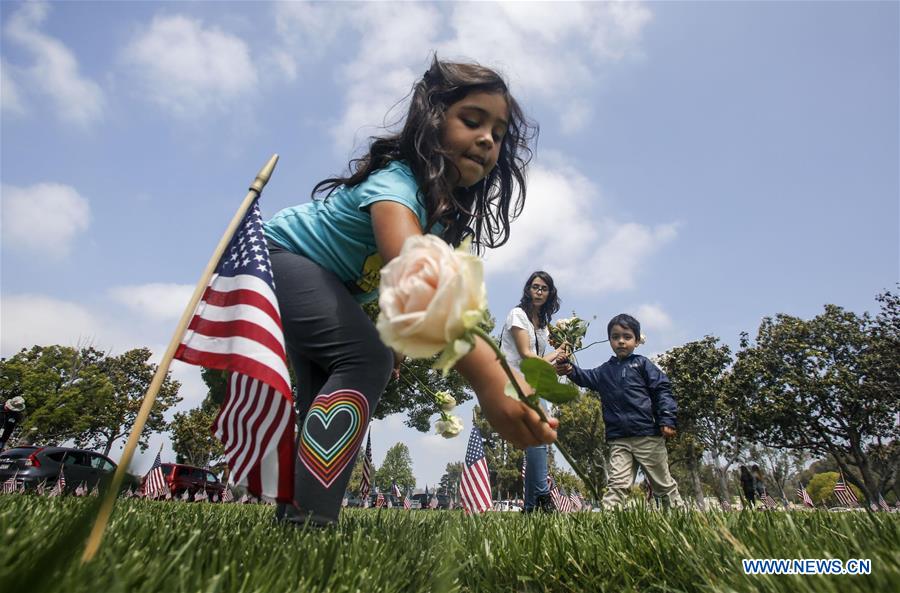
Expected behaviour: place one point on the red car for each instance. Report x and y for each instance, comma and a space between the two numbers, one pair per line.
187, 478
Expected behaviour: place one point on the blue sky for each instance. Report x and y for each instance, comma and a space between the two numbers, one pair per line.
700, 165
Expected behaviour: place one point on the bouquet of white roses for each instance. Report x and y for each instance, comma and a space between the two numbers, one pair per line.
568, 333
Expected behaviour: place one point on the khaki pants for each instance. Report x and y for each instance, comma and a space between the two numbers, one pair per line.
650, 454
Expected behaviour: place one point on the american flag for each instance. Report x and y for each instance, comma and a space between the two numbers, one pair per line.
575, 499
883, 504
475, 485
395, 489
406, 501
433, 503
201, 495
769, 501
9, 486
155, 482
80, 490
379, 500
41, 488
804, 496
845, 494
725, 504
523, 469
559, 498
60, 485
227, 496
366, 481
237, 327
185, 495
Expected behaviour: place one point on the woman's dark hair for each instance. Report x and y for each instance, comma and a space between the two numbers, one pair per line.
482, 211
625, 320
550, 306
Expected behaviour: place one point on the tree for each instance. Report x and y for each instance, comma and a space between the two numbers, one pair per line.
397, 468
192, 437
709, 419
828, 386
111, 414
58, 384
581, 432
821, 489
450, 479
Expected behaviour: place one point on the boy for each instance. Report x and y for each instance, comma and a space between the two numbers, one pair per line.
639, 412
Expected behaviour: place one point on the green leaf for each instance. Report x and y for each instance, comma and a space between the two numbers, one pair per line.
541, 375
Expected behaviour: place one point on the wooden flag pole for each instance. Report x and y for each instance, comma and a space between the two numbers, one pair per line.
109, 497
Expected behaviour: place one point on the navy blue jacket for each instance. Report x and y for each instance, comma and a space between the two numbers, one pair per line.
636, 396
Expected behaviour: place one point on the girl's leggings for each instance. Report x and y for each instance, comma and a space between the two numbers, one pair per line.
341, 369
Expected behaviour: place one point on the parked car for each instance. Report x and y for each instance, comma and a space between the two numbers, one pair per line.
32, 466
182, 478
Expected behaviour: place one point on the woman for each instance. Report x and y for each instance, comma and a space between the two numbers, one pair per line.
526, 334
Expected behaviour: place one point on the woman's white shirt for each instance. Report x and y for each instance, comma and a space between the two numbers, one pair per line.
538, 340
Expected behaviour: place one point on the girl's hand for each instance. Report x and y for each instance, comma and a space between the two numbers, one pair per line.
667, 431
398, 360
517, 423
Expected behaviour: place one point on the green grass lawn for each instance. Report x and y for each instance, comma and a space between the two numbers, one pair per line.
161, 547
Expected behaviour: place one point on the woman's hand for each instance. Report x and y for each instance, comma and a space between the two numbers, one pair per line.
668, 432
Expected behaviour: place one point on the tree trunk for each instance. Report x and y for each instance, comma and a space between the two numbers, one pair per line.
692, 463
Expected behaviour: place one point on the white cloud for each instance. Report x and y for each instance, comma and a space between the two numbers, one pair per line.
44, 218
155, 301
189, 69
653, 317
564, 229
32, 319
54, 70
554, 51
10, 96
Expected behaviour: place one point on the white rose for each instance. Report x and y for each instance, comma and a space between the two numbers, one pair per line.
430, 296
450, 427
444, 400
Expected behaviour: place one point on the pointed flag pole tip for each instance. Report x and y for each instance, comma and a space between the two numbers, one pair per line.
262, 178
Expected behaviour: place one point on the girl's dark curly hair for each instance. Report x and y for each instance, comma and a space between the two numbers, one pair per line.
482, 211
550, 306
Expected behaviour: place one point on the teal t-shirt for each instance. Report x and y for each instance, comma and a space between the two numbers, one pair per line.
336, 232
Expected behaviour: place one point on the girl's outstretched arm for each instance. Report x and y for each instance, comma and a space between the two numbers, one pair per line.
516, 422
392, 224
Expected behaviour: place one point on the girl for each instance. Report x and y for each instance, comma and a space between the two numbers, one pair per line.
526, 335
456, 169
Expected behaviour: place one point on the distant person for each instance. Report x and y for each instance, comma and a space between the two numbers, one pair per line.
638, 409
526, 334
747, 486
759, 484
10, 418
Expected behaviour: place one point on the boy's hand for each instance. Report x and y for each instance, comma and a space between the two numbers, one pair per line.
667, 431
517, 423
562, 365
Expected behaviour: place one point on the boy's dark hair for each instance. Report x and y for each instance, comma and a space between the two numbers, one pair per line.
550, 306
482, 211
625, 320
